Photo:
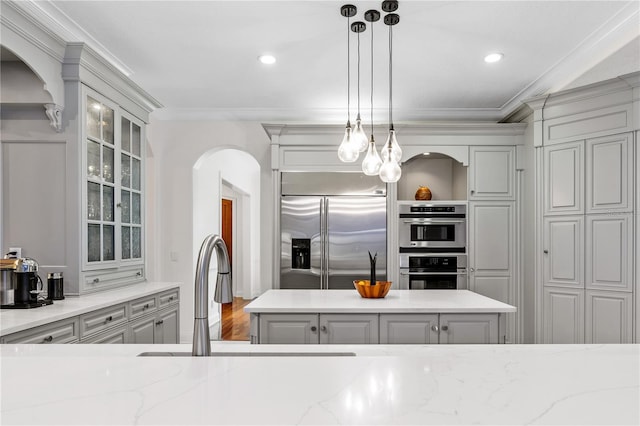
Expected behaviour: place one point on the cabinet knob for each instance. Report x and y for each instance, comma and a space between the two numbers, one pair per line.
159, 322
314, 328
323, 329
435, 328
119, 205
545, 251
96, 280
108, 319
473, 192
48, 339
471, 269
146, 306
444, 328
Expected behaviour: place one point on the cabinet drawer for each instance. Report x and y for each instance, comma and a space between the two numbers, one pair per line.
142, 306
116, 335
95, 322
168, 298
65, 331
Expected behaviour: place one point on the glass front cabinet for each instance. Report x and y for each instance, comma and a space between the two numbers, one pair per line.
112, 194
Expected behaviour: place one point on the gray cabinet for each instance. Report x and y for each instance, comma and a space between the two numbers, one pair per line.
288, 328
469, 329
64, 331
492, 173
608, 317
610, 174
564, 178
563, 315
608, 252
383, 328
348, 328
409, 328
142, 330
492, 249
563, 251
137, 321
118, 335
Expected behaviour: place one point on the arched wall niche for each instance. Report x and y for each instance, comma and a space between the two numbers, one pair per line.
444, 175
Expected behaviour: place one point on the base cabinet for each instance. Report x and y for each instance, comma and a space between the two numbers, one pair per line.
318, 328
118, 335
468, 329
161, 327
608, 317
378, 328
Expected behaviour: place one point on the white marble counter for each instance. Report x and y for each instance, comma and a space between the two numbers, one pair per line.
14, 320
438, 384
396, 301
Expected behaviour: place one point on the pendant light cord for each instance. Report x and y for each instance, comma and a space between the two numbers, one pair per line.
348, 71
358, 75
390, 75
372, 81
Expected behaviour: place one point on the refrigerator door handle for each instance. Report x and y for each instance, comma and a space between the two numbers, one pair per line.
322, 243
326, 243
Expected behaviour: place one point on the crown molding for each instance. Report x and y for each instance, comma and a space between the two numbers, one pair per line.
51, 19
604, 41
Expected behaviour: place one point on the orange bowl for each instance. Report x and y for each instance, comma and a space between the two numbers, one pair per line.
377, 291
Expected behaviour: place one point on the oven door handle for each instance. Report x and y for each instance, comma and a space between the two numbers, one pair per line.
433, 220
433, 273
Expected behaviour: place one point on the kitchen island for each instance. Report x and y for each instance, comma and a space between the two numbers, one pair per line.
402, 317
382, 384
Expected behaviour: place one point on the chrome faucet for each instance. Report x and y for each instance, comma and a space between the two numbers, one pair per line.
223, 292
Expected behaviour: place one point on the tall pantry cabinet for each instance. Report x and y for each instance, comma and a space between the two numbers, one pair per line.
586, 163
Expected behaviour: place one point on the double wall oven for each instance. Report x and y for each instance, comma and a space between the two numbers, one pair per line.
432, 242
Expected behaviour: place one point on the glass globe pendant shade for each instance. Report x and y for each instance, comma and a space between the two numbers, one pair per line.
359, 137
390, 170
348, 152
396, 151
372, 162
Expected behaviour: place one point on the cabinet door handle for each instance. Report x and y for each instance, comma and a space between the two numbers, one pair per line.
159, 322
146, 306
48, 339
314, 328
444, 328
435, 328
545, 251
108, 319
323, 329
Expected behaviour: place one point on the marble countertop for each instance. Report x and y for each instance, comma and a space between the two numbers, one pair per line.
382, 384
14, 320
396, 301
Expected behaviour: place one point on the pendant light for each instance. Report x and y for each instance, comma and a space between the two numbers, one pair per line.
391, 153
359, 136
348, 152
372, 162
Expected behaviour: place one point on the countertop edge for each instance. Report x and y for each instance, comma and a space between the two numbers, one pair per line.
94, 301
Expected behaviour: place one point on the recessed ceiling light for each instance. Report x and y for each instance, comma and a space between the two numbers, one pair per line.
267, 59
493, 57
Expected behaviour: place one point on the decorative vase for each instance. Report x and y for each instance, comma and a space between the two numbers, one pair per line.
423, 193
372, 261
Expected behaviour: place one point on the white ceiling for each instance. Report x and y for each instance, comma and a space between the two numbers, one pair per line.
199, 58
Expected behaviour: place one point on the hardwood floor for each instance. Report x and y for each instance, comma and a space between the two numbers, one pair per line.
235, 322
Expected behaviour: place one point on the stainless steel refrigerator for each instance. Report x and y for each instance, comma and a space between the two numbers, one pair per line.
329, 222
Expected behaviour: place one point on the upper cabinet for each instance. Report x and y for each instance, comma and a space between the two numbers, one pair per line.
492, 173
610, 174
113, 197
563, 178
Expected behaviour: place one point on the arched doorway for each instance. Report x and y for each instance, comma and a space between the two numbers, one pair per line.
217, 174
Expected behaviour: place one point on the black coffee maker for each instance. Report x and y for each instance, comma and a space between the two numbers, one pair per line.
28, 284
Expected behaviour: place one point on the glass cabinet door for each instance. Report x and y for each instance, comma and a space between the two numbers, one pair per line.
131, 190
113, 219
100, 161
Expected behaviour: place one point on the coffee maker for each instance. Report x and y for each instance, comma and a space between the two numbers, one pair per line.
21, 285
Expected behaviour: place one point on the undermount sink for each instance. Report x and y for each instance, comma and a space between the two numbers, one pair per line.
250, 354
